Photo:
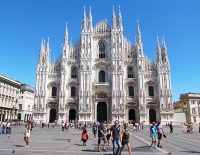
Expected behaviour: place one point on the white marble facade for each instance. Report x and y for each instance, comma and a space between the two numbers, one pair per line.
103, 76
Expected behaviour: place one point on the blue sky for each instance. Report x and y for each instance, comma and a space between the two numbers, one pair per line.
23, 24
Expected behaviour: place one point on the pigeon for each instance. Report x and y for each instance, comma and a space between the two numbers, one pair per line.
13, 151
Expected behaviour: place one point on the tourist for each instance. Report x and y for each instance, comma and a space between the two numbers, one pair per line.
171, 128
101, 136
125, 138
63, 125
108, 133
94, 130
27, 135
153, 132
160, 133
84, 137
115, 133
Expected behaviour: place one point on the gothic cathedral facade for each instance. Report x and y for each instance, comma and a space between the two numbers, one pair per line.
103, 77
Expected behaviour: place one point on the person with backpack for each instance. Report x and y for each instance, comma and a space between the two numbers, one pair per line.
125, 138
84, 136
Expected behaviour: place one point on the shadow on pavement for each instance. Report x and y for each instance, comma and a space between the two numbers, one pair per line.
18, 145
191, 152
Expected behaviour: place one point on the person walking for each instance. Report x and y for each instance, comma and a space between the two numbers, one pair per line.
160, 133
84, 136
153, 132
108, 133
94, 130
171, 128
115, 134
101, 136
27, 133
125, 138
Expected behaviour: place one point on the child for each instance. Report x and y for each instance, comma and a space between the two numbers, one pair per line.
84, 137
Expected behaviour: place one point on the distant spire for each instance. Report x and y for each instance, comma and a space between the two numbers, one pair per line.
42, 51
164, 51
120, 19
48, 51
158, 51
90, 19
66, 34
84, 20
139, 40
113, 18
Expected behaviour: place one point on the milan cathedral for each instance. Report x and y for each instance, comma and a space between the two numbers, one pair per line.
103, 77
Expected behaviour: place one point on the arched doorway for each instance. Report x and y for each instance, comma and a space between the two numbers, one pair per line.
131, 115
72, 114
102, 111
52, 116
19, 116
152, 115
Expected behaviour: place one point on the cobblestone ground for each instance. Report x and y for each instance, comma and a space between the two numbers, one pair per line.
54, 141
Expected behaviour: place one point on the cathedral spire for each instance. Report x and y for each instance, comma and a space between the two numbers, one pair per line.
42, 51
84, 20
48, 51
90, 19
113, 18
120, 19
66, 34
159, 59
139, 40
164, 51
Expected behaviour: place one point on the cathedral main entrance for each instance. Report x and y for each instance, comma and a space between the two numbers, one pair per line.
52, 116
152, 115
102, 111
131, 115
72, 114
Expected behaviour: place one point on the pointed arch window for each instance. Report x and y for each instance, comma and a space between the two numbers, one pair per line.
102, 49
130, 72
54, 92
151, 90
73, 91
130, 91
102, 76
73, 72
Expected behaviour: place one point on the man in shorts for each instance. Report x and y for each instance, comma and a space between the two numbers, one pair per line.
101, 136
153, 133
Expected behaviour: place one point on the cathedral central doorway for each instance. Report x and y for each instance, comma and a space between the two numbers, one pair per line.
52, 116
152, 115
131, 115
72, 114
101, 111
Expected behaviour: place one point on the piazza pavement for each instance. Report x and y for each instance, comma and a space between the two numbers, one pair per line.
53, 141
